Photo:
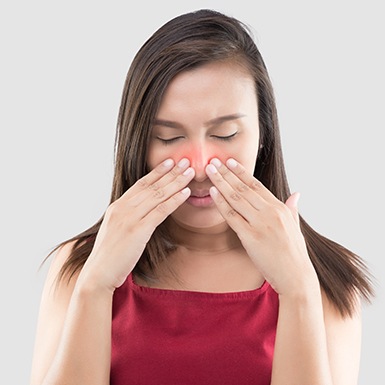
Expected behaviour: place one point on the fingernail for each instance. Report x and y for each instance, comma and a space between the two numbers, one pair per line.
188, 171
213, 191
232, 163
186, 191
183, 162
216, 162
168, 163
212, 169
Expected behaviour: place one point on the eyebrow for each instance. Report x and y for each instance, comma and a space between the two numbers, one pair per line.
211, 123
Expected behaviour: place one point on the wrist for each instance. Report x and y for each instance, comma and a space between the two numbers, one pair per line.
305, 289
302, 297
90, 282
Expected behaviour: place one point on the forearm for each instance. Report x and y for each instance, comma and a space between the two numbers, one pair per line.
83, 355
300, 356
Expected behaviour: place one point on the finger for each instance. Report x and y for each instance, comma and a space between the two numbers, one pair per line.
162, 210
150, 178
163, 191
292, 203
234, 199
229, 214
247, 178
161, 170
239, 186
152, 185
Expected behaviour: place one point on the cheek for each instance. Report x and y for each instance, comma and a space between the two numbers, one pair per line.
247, 156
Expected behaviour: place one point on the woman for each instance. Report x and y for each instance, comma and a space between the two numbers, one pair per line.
201, 270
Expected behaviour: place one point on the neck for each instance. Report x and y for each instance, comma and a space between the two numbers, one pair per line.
213, 240
205, 259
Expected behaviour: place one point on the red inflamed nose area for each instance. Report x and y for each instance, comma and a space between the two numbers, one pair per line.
200, 156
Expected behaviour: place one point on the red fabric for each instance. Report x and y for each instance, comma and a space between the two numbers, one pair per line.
168, 337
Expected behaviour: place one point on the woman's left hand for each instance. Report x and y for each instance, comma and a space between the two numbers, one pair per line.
268, 228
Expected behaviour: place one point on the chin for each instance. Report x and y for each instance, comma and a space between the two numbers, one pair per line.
198, 218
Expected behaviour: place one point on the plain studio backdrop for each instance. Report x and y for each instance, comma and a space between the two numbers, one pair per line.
63, 66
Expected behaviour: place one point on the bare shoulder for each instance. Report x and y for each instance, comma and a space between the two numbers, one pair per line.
57, 293
58, 259
344, 342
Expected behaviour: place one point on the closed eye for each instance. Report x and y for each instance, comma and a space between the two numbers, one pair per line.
169, 141
172, 140
228, 137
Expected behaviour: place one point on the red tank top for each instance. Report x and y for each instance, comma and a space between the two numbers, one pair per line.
176, 337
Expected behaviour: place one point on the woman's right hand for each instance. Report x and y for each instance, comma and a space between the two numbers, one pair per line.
130, 221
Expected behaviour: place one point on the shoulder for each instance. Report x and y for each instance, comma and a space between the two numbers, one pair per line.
53, 284
61, 256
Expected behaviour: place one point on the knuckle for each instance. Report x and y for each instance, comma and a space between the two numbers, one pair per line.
235, 196
176, 200
241, 187
230, 213
219, 179
113, 213
180, 181
155, 186
256, 185
240, 171
224, 171
220, 200
285, 210
278, 214
162, 208
159, 194
143, 183
158, 170
112, 209
175, 172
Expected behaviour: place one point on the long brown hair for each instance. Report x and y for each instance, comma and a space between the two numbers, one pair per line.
185, 42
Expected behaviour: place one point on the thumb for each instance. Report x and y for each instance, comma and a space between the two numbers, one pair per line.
292, 203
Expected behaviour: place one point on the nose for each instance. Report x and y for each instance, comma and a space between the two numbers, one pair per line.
200, 155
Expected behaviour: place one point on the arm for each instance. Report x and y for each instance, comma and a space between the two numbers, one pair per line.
73, 342
73, 335
300, 352
314, 344
84, 350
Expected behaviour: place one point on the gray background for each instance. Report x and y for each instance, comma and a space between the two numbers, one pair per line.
62, 71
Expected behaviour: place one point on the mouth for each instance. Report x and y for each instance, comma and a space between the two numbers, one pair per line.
200, 198
199, 193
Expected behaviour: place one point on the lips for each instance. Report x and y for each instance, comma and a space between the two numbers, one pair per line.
199, 193
200, 198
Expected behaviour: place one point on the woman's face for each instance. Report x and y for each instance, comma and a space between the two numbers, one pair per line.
207, 112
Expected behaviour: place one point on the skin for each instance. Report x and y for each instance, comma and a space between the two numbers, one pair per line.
200, 131
244, 232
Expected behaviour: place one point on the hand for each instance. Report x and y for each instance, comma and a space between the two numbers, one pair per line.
268, 228
130, 221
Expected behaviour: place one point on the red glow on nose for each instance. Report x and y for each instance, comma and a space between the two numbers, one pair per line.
199, 156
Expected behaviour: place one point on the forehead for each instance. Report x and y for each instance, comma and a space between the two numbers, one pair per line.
214, 87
